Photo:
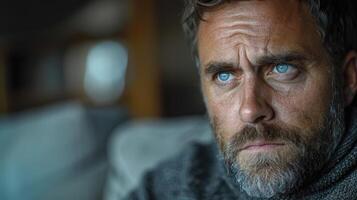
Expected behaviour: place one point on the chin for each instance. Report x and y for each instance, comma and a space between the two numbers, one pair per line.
268, 173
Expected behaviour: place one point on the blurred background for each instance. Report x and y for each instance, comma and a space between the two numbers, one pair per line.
60, 50
79, 81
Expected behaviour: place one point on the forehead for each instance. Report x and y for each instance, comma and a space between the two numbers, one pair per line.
260, 27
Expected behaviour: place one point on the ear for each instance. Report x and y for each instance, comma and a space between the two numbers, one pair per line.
350, 77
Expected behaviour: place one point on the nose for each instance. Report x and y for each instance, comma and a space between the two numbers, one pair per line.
255, 107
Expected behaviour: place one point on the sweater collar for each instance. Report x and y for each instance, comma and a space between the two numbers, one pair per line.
343, 160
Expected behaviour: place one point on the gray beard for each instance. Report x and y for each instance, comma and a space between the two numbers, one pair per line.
311, 156
259, 186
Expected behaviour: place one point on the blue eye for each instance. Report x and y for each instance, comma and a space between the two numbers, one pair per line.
282, 68
224, 76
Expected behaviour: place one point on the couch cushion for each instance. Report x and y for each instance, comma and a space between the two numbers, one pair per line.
140, 145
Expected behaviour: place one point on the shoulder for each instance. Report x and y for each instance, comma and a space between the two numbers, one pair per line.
181, 176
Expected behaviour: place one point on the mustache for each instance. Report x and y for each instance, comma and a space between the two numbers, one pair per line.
266, 132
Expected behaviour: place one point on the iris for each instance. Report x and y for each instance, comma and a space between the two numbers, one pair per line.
282, 68
224, 76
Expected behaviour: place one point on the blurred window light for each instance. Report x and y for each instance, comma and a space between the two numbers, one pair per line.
104, 78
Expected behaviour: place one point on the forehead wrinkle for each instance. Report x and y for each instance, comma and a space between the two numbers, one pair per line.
246, 24
240, 28
247, 30
246, 34
261, 31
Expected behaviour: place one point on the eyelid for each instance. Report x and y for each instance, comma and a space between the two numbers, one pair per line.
274, 65
288, 77
215, 74
216, 70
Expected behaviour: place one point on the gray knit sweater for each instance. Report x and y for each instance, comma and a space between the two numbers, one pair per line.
198, 174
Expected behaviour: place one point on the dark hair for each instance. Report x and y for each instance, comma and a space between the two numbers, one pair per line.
336, 20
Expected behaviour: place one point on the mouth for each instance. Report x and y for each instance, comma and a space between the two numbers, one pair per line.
261, 145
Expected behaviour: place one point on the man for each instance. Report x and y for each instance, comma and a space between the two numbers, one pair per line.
278, 79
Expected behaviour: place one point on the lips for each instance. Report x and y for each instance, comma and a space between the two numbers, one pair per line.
261, 144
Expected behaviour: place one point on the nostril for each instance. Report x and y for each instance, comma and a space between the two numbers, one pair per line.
260, 118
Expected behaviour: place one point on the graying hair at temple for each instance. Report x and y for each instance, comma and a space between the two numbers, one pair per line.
336, 20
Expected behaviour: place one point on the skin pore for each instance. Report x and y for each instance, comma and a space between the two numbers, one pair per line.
268, 87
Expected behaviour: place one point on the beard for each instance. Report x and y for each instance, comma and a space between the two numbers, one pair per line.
305, 151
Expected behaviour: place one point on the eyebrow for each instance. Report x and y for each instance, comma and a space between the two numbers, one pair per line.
281, 58
217, 66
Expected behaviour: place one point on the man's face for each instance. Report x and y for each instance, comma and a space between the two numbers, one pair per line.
267, 84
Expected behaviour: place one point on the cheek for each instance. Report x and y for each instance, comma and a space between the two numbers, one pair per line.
223, 112
305, 106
